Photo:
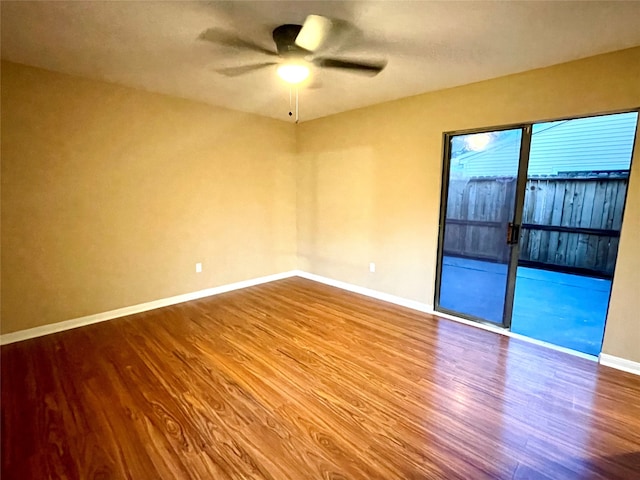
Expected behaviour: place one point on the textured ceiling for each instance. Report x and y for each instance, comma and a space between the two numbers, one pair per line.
428, 45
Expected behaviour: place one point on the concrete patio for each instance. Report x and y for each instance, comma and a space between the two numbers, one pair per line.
559, 308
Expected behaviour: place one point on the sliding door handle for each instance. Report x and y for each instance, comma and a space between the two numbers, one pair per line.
513, 233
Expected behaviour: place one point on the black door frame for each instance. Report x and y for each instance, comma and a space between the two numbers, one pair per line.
525, 144
525, 148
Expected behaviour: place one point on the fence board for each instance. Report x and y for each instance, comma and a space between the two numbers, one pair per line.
612, 253
609, 204
621, 194
556, 217
549, 190
576, 220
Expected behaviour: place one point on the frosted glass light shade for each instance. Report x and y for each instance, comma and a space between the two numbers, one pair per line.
293, 72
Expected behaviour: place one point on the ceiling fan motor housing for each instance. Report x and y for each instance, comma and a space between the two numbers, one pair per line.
284, 37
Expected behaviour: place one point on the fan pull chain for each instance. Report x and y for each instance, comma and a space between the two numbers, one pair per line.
297, 119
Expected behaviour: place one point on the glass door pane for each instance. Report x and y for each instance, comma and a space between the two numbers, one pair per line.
479, 201
572, 217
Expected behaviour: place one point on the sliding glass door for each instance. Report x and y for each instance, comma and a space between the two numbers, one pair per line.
529, 226
576, 189
478, 226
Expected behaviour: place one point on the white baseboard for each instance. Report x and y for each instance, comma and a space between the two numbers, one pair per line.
605, 359
518, 336
426, 308
142, 307
620, 363
387, 297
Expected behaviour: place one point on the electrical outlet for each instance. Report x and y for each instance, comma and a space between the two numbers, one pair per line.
372, 267
198, 267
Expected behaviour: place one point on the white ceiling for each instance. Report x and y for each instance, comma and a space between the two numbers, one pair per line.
429, 45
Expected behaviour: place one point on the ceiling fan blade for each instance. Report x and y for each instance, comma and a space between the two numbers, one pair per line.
237, 71
314, 32
227, 39
368, 68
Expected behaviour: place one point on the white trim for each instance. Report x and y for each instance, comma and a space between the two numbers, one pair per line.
518, 336
142, 307
605, 359
620, 363
426, 308
386, 297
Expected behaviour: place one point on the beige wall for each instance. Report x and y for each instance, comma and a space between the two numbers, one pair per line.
369, 180
111, 195
622, 333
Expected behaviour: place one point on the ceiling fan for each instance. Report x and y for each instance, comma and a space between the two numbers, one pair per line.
297, 47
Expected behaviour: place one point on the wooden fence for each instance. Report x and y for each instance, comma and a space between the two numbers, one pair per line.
570, 223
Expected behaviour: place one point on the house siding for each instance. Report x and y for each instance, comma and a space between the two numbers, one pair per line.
593, 144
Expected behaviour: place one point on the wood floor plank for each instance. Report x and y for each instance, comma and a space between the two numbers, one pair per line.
298, 380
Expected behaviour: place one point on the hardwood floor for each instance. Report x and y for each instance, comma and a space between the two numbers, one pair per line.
298, 380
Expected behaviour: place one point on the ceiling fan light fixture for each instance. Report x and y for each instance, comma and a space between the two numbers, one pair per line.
293, 73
